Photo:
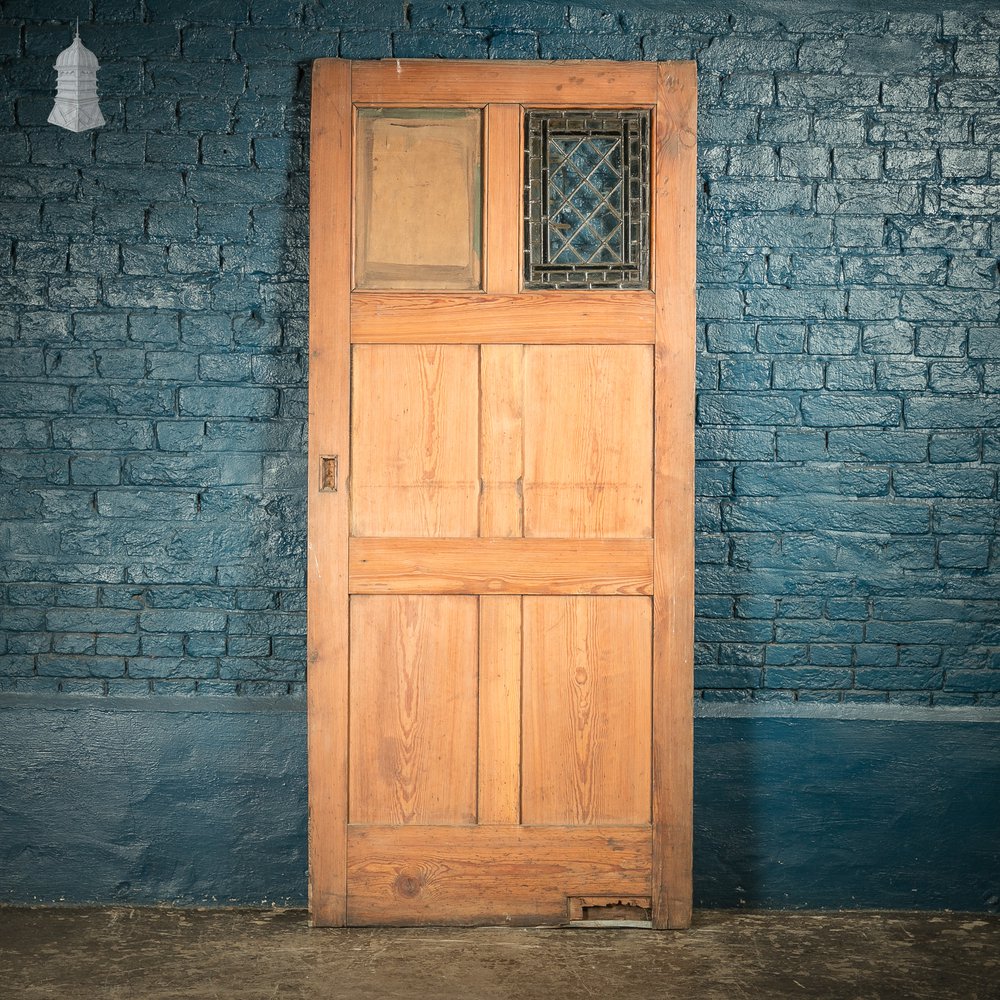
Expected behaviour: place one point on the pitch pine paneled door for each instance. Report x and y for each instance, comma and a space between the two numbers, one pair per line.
500, 492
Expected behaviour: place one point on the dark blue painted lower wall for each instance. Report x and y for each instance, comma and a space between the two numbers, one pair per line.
116, 801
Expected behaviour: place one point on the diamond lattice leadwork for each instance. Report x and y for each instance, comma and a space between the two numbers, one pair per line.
586, 199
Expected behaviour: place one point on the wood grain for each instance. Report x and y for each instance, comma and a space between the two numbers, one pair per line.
559, 317
674, 206
418, 202
501, 440
500, 566
469, 82
588, 442
490, 874
415, 441
413, 709
503, 198
586, 739
329, 425
499, 709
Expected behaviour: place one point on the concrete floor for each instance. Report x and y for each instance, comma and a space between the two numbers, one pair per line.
155, 954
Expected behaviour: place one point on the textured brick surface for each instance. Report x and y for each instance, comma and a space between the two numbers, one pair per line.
153, 340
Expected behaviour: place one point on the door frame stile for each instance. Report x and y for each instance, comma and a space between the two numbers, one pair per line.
674, 248
328, 605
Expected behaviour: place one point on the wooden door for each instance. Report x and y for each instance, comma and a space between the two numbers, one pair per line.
500, 492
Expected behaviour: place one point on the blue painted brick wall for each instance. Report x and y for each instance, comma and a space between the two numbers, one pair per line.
153, 292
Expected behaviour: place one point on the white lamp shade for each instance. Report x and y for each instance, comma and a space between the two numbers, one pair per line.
76, 106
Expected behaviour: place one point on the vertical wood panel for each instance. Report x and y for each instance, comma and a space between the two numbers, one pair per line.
503, 198
413, 709
586, 741
415, 441
501, 449
588, 442
499, 709
675, 175
329, 421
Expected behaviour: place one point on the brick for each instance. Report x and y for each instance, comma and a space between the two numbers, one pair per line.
868, 55
964, 552
797, 373
785, 303
831, 655
781, 230
475, 45
807, 677
984, 342
816, 89
850, 409
936, 305
979, 58
727, 677
151, 504
972, 680
867, 198
805, 161
878, 445
743, 88
95, 470
955, 377
901, 375
970, 199
57, 665
931, 481
784, 125
849, 374
857, 164
231, 401
840, 128
898, 679
372, 45
752, 373
827, 514
907, 93
761, 195
833, 338
919, 128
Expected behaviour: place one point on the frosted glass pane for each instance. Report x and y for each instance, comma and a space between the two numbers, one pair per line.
419, 199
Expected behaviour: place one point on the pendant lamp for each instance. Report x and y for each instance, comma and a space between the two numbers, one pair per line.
76, 106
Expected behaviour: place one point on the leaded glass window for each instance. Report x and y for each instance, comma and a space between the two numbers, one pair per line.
586, 194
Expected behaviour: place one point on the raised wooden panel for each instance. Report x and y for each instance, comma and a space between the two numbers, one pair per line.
570, 83
418, 203
489, 874
587, 722
560, 317
413, 694
501, 448
500, 566
499, 709
588, 442
415, 441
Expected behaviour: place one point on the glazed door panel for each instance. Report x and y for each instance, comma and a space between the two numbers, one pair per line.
500, 507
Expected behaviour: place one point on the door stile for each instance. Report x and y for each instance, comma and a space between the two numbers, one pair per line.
674, 247
329, 438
